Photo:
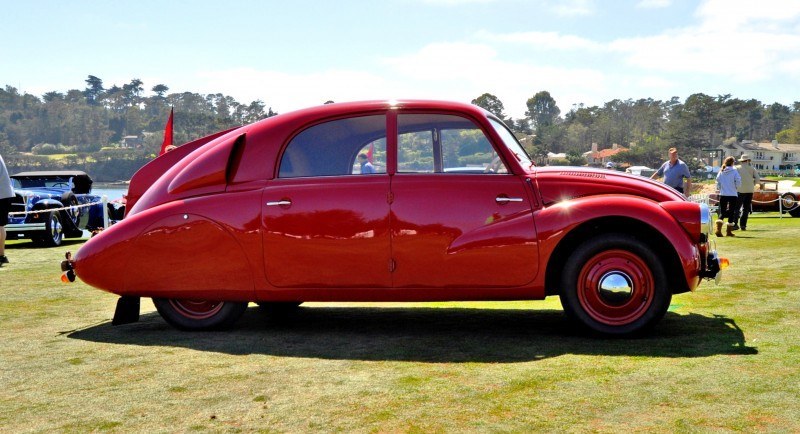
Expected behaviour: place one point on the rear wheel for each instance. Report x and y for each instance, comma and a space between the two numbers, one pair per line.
615, 284
197, 315
72, 227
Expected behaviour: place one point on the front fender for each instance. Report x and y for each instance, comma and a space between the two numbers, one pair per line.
566, 224
39, 210
44, 204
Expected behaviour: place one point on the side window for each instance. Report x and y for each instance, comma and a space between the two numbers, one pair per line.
444, 144
415, 151
332, 148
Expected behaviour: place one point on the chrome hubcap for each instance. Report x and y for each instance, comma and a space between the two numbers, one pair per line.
55, 226
615, 287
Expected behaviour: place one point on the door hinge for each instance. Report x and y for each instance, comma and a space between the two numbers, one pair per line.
390, 198
392, 265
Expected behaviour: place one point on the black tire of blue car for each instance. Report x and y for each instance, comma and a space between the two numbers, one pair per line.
199, 315
70, 218
53, 234
615, 285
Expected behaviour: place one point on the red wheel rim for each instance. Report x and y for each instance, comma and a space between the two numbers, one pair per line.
615, 287
197, 309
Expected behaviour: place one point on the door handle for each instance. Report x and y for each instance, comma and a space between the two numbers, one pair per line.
280, 203
503, 200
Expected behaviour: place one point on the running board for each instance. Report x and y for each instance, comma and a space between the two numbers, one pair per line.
127, 311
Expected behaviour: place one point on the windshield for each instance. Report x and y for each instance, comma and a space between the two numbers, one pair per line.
511, 143
48, 182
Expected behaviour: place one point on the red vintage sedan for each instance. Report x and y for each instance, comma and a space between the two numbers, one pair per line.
393, 201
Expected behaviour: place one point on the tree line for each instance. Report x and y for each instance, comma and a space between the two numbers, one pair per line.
649, 126
87, 125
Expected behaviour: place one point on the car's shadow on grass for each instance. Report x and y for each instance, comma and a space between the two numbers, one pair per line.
28, 244
428, 335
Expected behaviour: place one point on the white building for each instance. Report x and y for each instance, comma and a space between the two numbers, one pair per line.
767, 157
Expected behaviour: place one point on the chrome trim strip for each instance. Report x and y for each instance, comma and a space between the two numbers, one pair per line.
508, 199
23, 227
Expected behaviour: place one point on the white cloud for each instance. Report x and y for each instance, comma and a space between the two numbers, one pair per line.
449, 71
734, 13
462, 71
654, 83
444, 61
455, 2
543, 40
710, 55
573, 7
725, 43
653, 4
285, 91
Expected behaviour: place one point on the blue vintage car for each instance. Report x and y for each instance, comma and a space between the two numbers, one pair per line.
50, 206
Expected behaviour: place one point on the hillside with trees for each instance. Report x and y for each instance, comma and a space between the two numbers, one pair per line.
87, 129
112, 131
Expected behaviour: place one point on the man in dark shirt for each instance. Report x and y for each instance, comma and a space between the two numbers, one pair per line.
673, 171
366, 166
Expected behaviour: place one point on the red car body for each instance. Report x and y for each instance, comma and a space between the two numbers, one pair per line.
271, 213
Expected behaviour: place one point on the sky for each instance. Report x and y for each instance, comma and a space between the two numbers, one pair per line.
295, 54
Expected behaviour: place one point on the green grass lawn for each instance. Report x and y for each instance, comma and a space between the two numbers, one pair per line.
725, 358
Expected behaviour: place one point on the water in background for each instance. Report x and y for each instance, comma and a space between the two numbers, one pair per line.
113, 192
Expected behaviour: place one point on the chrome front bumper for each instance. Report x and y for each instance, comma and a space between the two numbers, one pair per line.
25, 227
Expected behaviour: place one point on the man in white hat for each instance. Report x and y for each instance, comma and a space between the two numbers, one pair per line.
749, 180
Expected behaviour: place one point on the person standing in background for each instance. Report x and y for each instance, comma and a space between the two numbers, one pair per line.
728, 180
749, 180
366, 166
6, 193
674, 171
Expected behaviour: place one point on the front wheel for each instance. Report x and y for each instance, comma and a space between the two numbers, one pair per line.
788, 202
196, 315
615, 284
53, 231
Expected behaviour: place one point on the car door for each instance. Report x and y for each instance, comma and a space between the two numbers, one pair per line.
326, 225
459, 218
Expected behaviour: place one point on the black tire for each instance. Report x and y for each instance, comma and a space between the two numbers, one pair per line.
614, 284
53, 233
199, 315
789, 202
795, 212
71, 227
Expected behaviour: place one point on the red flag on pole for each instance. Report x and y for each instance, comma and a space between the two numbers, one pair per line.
167, 134
370, 152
